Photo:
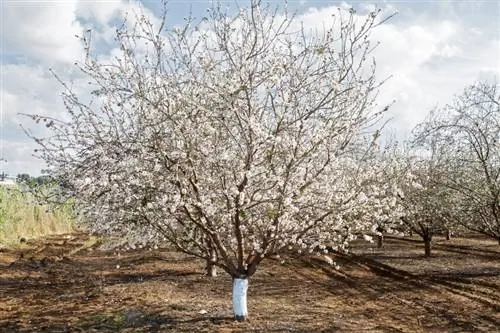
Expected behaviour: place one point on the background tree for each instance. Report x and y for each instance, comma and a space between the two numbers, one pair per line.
232, 138
26, 179
386, 190
425, 200
23, 178
468, 132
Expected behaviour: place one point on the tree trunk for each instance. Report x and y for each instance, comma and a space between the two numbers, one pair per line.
427, 244
411, 233
448, 234
211, 269
240, 286
380, 241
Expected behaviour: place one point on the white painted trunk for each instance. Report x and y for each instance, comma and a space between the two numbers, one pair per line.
240, 287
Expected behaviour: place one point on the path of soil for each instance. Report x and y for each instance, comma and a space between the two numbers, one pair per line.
66, 284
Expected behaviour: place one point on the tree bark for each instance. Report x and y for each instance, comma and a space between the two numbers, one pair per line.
448, 234
240, 287
380, 241
427, 244
211, 269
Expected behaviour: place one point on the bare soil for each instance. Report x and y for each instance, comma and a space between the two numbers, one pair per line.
66, 284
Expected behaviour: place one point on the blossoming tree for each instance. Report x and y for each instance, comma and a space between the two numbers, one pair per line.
385, 190
427, 205
467, 133
233, 138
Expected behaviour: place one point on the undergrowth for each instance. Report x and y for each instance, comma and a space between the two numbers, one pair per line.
24, 217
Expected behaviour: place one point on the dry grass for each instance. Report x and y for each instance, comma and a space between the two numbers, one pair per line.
63, 284
21, 217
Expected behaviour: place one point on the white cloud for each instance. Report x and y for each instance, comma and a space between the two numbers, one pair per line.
29, 89
46, 31
100, 12
42, 31
103, 16
25, 89
19, 158
449, 51
368, 7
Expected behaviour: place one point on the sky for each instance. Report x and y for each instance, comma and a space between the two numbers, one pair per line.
431, 50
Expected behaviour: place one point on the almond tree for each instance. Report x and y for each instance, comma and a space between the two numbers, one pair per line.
233, 138
427, 204
386, 190
468, 133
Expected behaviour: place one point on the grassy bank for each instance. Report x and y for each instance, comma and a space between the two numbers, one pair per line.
22, 217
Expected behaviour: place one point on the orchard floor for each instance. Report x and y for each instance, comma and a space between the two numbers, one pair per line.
66, 284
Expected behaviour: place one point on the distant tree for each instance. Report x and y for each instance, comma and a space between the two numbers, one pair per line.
383, 188
392, 170
45, 180
468, 134
26, 179
427, 206
23, 178
232, 139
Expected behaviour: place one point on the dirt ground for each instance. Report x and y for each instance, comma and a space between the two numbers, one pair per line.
66, 284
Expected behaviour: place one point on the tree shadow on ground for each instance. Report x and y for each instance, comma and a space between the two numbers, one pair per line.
125, 319
73, 293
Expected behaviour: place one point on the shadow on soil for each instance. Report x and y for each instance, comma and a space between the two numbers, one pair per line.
49, 291
129, 319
